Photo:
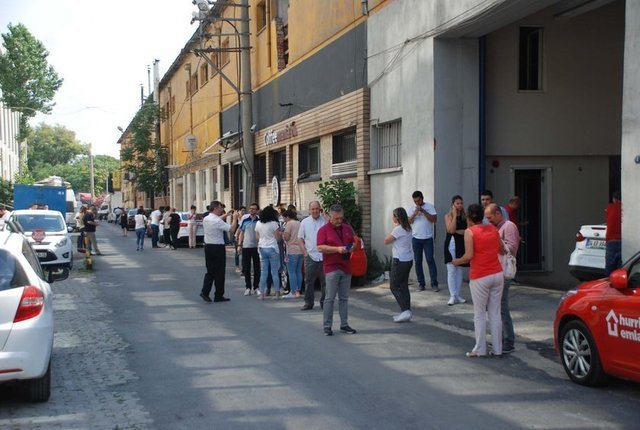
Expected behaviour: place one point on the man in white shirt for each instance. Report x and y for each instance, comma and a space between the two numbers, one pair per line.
215, 254
155, 217
308, 238
422, 217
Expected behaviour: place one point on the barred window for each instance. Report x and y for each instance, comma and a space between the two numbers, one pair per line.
388, 145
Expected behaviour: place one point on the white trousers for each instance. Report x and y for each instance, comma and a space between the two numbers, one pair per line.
487, 293
454, 273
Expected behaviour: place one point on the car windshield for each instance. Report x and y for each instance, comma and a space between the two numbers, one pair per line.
44, 222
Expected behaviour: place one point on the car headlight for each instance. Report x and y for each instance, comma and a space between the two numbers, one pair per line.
568, 294
62, 243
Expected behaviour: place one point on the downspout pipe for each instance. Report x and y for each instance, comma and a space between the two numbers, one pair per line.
482, 129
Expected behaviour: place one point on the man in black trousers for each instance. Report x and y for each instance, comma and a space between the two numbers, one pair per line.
215, 254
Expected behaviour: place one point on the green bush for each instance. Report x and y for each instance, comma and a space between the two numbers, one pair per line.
344, 193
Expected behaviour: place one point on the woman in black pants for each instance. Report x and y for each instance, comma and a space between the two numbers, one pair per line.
400, 238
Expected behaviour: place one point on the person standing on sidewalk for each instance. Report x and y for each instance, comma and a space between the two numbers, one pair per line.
510, 237
193, 226
174, 228
268, 233
90, 223
156, 217
482, 246
124, 221
166, 226
293, 252
308, 237
141, 229
456, 223
422, 217
80, 226
613, 252
214, 250
402, 252
248, 241
335, 242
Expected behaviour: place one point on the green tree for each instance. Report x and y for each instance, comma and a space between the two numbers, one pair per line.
343, 193
77, 172
6, 192
27, 81
53, 146
144, 156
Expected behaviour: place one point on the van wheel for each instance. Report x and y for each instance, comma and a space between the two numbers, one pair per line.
39, 390
579, 352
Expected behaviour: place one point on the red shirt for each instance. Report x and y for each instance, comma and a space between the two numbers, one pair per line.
486, 245
332, 236
614, 221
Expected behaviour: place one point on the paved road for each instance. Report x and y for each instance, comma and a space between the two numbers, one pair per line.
136, 348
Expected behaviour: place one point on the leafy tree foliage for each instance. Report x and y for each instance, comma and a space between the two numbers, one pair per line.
143, 155
53, 146
27, 81
343, 193
77, 172
6, 192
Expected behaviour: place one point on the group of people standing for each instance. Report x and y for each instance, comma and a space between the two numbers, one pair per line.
478, 237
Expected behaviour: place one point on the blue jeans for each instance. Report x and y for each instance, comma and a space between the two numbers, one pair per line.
140, 232
425, 246
508, 335
612, 256
294, 267
155, 231
269, 262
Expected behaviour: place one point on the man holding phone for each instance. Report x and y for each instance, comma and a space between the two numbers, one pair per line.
335, 242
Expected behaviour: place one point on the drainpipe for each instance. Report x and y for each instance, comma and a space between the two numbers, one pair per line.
482, 138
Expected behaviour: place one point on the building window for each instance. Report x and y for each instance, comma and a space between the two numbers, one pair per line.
279, 165
261, 169
387, 145
194, 83
204, 73
215, 60
261, 15
226, 180
224, 52
344, 147
187, 87
172, 105
530, 73
309, 159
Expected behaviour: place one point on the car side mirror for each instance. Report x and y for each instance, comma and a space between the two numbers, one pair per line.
57, 274
619, 279
69, 229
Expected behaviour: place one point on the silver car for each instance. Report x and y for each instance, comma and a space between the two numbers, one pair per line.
26, 318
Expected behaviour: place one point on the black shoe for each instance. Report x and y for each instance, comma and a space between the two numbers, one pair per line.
508, 349
205, 298
421, 288
306, 307
435, 288
347, 329
155, 246
221, 299
328, 332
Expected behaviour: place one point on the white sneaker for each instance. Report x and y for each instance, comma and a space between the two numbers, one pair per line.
460, 300
258, 293
288, 296
247, 292
404, 316
452, 301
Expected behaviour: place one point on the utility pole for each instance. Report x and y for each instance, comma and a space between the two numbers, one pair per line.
91, 178
248, 146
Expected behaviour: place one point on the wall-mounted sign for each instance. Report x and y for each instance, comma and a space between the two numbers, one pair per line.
275, 191
190, 142
275, 136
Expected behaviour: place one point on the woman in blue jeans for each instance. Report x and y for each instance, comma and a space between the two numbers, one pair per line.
268, 234
294, 252
141, 229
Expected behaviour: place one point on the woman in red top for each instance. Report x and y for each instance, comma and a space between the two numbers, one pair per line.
482, 245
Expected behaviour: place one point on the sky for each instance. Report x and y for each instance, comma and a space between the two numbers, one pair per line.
102, 50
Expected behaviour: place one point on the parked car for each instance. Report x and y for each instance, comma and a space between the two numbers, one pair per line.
131, 215
48, 234
26, 317
183, 233
597, 327
587, 260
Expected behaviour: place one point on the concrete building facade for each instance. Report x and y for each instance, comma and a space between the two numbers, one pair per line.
527, 98
9, 145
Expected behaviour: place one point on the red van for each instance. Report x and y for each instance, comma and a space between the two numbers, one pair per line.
597, 327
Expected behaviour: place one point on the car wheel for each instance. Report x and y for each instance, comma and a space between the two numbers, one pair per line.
579, 352
39, 390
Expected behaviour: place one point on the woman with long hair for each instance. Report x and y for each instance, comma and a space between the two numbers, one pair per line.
456, 223
268, 233
124, 221
402, 252
482, 245
193, 226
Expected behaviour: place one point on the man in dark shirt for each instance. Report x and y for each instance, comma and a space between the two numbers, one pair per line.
90, 230
174, 228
